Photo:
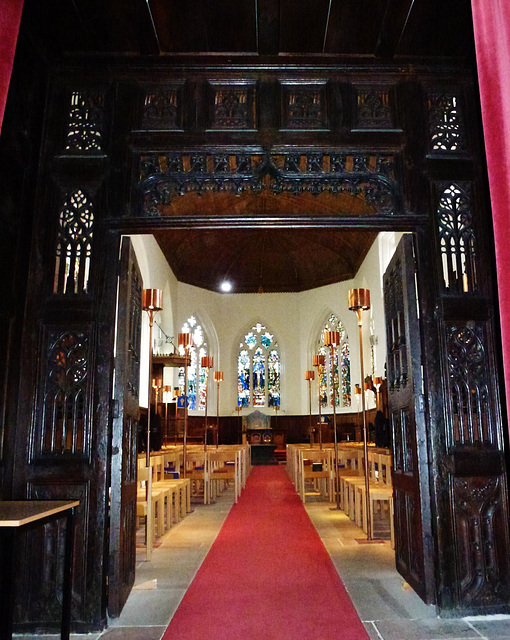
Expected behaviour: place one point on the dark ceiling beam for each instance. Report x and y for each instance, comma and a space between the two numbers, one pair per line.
393, 27
268, 27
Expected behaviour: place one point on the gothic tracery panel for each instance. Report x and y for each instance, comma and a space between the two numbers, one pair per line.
161, 109
480, 530
74, 245
233, 107
85, 122
65, 412
373, 108
304, 107
457, 238
469, 391
446, 123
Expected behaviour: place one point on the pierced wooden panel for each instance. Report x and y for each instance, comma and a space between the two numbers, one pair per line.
233, 107
65, 419
457, 240
470, 407
481, 531
446, 123
162, 109
304, 107
373, 108
74, 245
85, 122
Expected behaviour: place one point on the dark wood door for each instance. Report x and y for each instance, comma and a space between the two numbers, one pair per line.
407, 418
125, 417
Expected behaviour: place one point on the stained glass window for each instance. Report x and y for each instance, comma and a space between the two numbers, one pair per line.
196, 373
258, 369
337, 368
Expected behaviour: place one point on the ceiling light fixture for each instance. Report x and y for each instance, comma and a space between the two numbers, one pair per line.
226, 286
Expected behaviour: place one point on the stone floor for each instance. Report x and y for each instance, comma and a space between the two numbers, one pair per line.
389, 609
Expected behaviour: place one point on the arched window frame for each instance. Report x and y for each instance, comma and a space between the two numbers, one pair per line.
196, 392
258, 369
341, 363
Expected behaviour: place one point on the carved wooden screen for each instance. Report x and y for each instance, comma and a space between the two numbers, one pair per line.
124, 432
474, 438
407, 418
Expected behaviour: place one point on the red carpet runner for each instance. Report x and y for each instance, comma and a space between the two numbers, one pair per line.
267, 576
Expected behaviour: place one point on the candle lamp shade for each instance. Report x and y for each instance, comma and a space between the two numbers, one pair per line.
207, 362
319, 360
185, 340
218, 376
377, 382
331, 338
359, 299
152, 300
309, 375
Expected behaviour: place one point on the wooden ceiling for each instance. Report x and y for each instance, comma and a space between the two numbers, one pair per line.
264, 260
380, 28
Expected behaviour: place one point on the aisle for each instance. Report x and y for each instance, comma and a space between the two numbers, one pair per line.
267, 576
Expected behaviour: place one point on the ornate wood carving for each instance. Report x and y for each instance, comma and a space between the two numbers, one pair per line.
166, 176
373, 108
481, 533
41, 583
74, 245
85, 122
161, 109
233, 107
457, 238
446, 123
64, 429
304, 107
469, 389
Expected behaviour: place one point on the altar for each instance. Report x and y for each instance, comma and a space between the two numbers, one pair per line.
259, 434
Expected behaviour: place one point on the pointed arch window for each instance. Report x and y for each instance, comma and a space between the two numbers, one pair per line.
258, 369
340, 364
196, 373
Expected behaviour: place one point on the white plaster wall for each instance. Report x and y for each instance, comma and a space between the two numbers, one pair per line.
295, 319
156, 274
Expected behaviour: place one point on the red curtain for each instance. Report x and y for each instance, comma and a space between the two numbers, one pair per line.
10, 16
491, 19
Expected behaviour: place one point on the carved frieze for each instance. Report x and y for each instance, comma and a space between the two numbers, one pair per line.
166, 176
304, 107
373, 108
233, 107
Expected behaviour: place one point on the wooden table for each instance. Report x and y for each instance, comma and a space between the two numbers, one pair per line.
15, 516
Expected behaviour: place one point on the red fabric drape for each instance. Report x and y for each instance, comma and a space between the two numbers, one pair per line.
491, 20
10, 16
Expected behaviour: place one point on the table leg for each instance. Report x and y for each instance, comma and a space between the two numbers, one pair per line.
8, 550
67, 577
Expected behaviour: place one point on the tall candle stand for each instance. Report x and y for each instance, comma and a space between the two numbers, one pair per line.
207, 363
359, 300
332, 340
